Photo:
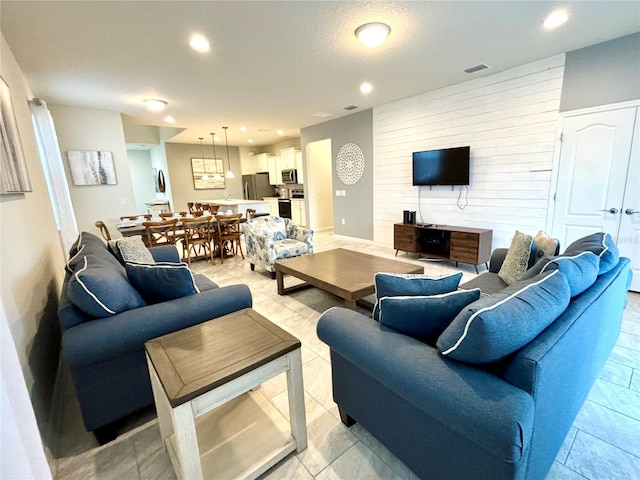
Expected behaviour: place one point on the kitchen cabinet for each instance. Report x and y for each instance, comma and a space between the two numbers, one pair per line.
288, 158
299, 167
272, 205
275, 175
298, 212
262, 162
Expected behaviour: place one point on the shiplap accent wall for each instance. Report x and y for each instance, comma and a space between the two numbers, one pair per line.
510, 120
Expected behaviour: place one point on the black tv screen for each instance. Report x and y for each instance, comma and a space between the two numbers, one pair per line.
447, 166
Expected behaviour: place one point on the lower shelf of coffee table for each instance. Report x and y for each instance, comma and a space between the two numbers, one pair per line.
240, 439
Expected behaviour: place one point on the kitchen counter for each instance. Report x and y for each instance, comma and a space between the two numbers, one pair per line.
230, 202
238, 205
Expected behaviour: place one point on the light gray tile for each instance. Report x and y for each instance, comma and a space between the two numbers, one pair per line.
290, 468
616, 398
616, 373
628, 340
359, 462
612, 427
566, 445
598, 460
317, 381
625, 356
631, 327
560, 472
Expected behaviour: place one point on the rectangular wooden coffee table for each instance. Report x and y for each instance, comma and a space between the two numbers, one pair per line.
212, 425
344, 273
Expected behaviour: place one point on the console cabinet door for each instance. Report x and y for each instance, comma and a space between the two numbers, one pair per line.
464, 247
405, 238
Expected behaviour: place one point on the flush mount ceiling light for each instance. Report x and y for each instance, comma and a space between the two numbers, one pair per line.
199, 43
366, 88
169, 119
280, 132
155, 104
250, 141
243, 129
555, 19
372, 34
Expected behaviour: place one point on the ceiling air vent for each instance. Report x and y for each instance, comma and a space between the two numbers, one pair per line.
263, 130
349, 107
477, 68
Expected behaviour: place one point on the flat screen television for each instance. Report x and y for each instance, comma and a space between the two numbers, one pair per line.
447, 166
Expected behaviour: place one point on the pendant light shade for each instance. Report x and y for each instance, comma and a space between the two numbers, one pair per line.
229, 172
205, 177
216, 175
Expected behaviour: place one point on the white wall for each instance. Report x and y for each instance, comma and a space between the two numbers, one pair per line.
142, 178
31, 264
509, 119
319, 185
88, 129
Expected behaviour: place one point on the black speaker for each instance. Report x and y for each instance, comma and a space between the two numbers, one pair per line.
406, 216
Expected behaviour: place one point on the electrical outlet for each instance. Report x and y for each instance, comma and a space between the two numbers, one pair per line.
344, 221
344, 193
338, 194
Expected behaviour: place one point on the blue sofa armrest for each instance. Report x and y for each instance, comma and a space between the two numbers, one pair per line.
105, 338
476, 404
165, 253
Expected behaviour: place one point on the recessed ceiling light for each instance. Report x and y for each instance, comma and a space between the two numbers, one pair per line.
155, 104
169, 119
249, 141
372, 34
280, 132
555, 19
216, 138
199, 43
243, 129
366, 88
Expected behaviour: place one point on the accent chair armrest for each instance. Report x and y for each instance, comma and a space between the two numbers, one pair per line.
497, 259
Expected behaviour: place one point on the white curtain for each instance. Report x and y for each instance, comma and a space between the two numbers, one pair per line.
54, 173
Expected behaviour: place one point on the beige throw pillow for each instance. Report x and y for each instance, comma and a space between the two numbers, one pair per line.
545, 245
133, 249
517, 260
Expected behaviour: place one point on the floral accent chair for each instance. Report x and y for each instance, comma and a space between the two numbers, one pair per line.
271, 238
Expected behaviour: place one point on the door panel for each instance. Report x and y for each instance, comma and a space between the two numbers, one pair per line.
592, 174
629, 234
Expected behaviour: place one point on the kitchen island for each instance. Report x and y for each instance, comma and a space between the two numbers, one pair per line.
238, 205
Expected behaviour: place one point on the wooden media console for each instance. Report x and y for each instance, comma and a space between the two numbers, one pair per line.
458, 244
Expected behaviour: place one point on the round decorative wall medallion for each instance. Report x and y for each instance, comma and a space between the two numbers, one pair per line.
350, 163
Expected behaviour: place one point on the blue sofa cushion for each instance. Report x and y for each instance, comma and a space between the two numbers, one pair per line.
520, 255
581, 270
406, 285
99, 290
424, 317
497, 325
160, 282
134, 250
602, 245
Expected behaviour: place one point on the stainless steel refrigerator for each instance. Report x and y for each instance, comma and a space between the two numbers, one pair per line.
256, 186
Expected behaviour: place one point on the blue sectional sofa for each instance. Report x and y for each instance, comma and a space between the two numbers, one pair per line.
504, 419
104, 351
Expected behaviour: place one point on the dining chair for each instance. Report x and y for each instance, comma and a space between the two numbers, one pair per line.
161, 233
190, 206
146, 216
103, 230
228, 234
197, 238
168, 215
197, 213
251, 213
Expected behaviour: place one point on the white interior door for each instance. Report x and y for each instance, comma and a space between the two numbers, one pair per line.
629, 233
592, 174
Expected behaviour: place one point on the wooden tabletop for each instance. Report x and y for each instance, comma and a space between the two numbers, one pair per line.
198, 359
345, 273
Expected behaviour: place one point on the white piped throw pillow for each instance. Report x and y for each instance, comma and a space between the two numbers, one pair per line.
497, 325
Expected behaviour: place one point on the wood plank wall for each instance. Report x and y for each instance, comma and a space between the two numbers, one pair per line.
510, 120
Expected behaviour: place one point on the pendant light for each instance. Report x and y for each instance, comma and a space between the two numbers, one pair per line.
216, 176
229, 172
205, 177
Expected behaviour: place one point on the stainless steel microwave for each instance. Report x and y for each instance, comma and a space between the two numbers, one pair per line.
290, 176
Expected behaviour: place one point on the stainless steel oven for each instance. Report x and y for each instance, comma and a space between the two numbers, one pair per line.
290, 176
284, 208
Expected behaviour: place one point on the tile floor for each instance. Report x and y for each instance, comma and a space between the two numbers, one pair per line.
604, 442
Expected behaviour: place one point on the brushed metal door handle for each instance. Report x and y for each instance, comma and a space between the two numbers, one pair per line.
611, 210
631, 211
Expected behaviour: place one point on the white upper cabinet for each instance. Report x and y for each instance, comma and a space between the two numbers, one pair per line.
262, 162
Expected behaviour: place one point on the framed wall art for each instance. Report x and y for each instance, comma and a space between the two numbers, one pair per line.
91, 167
14, 176
208, 173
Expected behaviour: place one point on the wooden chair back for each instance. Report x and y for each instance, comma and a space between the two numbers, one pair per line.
161, 233
229, 232
103, 230
190, 207
167, 215
197, 237
251, 213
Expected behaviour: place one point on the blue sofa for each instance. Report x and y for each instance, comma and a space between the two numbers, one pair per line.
106, 355
452, 419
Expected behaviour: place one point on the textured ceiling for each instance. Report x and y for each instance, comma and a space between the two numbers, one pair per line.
274, 64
